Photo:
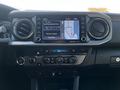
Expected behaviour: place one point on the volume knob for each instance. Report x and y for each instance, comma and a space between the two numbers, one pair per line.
21, 61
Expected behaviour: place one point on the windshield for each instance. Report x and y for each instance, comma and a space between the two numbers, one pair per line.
111, 6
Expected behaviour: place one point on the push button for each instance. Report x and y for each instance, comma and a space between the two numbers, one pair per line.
83, 38
52, 61
115, 60
66, 61
46, 60
83, 18
32, 60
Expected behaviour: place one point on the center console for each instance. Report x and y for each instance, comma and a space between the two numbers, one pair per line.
58, 38
54, 45
42, 39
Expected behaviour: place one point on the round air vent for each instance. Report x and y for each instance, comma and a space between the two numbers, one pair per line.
23, 29
98, 28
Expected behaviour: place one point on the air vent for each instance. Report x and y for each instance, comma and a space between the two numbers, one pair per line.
98, 29
23, 29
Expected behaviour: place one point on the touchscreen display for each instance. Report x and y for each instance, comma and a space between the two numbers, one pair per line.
71, 29
61, 30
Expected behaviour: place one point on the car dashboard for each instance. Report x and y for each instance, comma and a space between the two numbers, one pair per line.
49, 48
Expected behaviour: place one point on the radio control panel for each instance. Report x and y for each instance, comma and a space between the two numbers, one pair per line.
62, 28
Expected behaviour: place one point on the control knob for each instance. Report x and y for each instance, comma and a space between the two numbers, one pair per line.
59, 59
21, 61
72, 59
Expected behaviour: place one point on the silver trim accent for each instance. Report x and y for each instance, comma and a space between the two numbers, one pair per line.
30, 43
80, 58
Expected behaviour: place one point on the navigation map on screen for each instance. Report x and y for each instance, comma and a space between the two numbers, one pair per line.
71, 29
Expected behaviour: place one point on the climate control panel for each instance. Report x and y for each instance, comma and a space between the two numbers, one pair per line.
50, 60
